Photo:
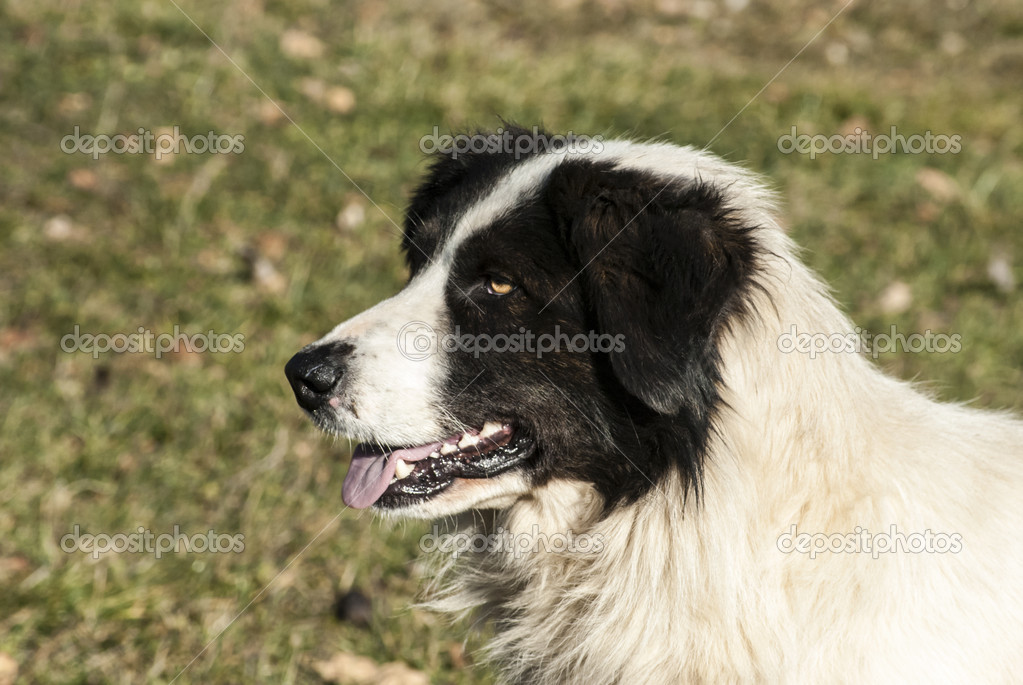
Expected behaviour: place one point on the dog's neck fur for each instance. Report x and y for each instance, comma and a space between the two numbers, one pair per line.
736, 602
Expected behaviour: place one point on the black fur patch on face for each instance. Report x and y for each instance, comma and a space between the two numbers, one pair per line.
662, 263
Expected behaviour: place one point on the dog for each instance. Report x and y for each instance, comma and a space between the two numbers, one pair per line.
611, 343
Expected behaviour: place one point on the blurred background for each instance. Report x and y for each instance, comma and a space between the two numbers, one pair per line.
278, 241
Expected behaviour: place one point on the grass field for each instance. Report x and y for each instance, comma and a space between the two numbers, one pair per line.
279, 241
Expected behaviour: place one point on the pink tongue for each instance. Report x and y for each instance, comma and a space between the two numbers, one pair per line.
372, 470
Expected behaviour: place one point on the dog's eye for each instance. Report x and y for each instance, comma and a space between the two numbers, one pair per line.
499, 285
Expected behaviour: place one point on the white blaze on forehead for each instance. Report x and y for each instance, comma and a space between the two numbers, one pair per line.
670, 163
511, 190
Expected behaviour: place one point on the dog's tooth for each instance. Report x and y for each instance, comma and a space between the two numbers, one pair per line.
489, 428
434, 454
402, 469
468, 440
448, 448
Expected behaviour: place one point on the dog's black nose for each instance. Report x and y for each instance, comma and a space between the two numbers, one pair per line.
315, 372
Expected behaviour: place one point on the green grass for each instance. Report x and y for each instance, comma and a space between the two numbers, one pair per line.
215, 441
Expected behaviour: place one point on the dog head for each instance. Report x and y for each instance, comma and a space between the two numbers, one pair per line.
560, 321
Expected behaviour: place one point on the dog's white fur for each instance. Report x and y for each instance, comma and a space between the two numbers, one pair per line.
700, 592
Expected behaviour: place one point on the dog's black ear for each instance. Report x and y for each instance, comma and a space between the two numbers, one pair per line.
663, 264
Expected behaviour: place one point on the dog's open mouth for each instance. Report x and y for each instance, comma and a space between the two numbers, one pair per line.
390, 477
